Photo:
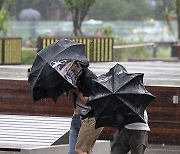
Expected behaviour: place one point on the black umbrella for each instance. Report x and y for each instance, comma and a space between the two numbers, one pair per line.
119, 95
56, 69
86, 82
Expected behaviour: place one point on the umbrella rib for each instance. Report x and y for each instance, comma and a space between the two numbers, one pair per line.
125, 83
136, 93
127, 104
64, 49
58, 52
38, 75
42, 64
113, 75
101, 97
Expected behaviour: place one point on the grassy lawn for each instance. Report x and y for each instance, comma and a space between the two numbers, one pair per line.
141, 52
164, 53
28, 56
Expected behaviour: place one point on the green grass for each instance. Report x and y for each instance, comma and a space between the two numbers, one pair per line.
28, 57
164, 52
140, 53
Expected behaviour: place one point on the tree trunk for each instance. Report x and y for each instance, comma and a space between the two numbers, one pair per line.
178, 17
78, 17
76, 22
1, 3
77, 29
175, 51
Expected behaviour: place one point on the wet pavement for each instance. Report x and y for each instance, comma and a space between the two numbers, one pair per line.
162, 149
155, 73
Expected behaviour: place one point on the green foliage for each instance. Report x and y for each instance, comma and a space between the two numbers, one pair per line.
125, 53
78, 9
103, 10
28, 57
78, 4
164, 52
106, 31
4, 14
3, 18
120, 9
138, 52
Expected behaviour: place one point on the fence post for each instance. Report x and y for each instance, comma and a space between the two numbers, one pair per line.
155, 50
39, 44
3, 51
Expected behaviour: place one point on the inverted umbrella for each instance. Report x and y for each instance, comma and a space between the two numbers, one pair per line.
56, 69
119, 94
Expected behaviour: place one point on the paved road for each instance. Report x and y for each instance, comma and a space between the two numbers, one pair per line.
155, 73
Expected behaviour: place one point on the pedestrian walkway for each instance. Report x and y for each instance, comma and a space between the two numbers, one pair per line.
101, 147
23, 131
155, 73
162, 149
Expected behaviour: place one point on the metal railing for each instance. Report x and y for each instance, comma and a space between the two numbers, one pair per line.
152, 44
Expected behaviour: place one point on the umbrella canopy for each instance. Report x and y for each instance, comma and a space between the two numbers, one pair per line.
29, 15
56, 69
119, 94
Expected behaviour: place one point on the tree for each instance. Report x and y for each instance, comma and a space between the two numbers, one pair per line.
4, 8
79, 10
120, 10
170, 12
178, 17
49, 9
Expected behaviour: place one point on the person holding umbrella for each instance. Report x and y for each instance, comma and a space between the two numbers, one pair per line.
85, 84
79, 109
56, 70
88, 134
120, 101
132, 137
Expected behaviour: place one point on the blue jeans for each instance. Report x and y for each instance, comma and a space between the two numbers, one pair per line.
73, 133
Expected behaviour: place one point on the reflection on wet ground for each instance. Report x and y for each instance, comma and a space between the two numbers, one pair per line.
155, 73
162, 149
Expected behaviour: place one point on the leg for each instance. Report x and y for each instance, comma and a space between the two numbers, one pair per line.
79, 151
120, 143
120, 148
87, 136
138, 141
138, 150
73, 133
